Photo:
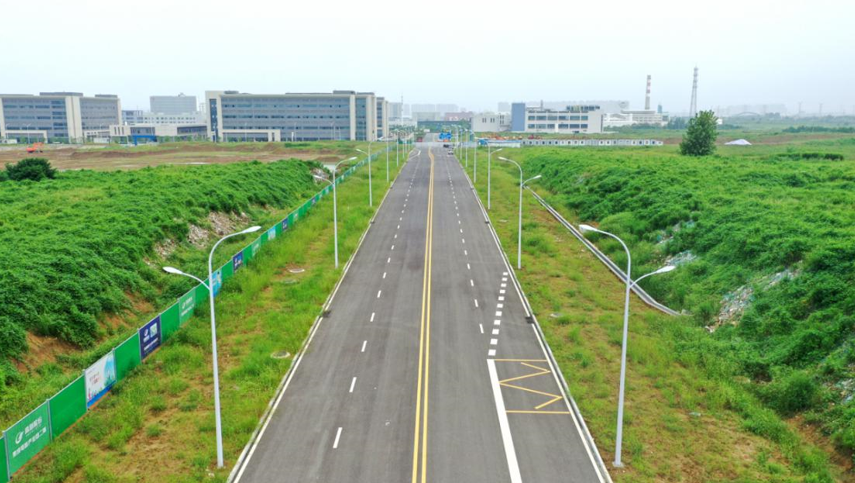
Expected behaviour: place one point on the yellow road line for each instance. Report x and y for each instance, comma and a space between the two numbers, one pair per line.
420, 435
427, 335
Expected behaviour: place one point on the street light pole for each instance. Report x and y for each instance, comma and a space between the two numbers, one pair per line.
519, 228
489, 165
387, 157
370, 197
335, 204
629, 284
210, 287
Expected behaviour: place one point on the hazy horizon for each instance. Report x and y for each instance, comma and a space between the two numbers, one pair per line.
759, 52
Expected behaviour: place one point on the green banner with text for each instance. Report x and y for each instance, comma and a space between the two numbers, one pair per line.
27, 437
3, 476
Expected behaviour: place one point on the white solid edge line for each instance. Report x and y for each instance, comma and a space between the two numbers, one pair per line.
507, 439
546, 353
252, 444
337, 436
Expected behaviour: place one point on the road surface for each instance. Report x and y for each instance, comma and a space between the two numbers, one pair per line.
425, 368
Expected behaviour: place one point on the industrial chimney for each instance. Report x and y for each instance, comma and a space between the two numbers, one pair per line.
647, 97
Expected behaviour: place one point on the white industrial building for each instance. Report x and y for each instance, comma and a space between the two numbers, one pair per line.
491, 122
576, 119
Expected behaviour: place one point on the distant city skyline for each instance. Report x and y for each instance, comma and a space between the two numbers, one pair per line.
798, 52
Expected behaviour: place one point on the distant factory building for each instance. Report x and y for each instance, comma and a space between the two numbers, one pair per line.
174, 105
629, 117
133, 117
345, 115
58, 116
144, 133
491, 122
574, 119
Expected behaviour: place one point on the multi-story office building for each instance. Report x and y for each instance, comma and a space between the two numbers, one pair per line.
347, 115
173, 105
574, 119
58, 116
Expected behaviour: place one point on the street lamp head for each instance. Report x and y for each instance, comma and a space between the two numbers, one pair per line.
351, 159
665, 269
250, 230
173, 270
503, 158
496, 151
361, 151
536, 177
587, 228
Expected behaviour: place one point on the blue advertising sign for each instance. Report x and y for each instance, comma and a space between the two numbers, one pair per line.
285, 224
150, 337
237, 261
217, 280
271, 233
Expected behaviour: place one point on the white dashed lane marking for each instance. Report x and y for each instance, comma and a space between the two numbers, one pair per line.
352, 384
364, 343
337, 436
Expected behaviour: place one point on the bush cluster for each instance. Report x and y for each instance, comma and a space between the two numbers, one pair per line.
785, 230
74, 247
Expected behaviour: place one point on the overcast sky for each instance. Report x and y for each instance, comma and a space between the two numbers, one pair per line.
472, 53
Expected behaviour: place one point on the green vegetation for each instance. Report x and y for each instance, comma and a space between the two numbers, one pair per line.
700, 406
76, 246
700, 136
34, 169
158, 424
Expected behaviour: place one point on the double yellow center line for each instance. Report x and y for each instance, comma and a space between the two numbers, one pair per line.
421, 434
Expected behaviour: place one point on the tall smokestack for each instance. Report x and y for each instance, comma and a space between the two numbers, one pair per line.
647, 97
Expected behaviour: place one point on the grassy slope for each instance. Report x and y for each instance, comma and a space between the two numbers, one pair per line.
683, 421
158, 425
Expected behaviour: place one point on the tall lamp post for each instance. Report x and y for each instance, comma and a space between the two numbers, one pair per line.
335, 203
629, 284
519, 229
370, 196
489, 176
210, 287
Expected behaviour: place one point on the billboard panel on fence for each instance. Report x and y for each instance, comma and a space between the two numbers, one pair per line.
100, 377
27, 437
217, 281
169, 321
286, 222
186, 304
247, 254
3, 476
151, 336
67, 406
237, 261
271, 234
127, 356
256, 247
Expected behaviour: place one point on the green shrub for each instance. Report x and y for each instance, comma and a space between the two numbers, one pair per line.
35, 169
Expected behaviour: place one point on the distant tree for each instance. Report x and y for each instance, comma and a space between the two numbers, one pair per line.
35, 169
700, 136
676, 123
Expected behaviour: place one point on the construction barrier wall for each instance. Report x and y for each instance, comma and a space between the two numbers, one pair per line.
24, 439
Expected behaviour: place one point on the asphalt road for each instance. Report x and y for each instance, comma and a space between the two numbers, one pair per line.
425, 368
